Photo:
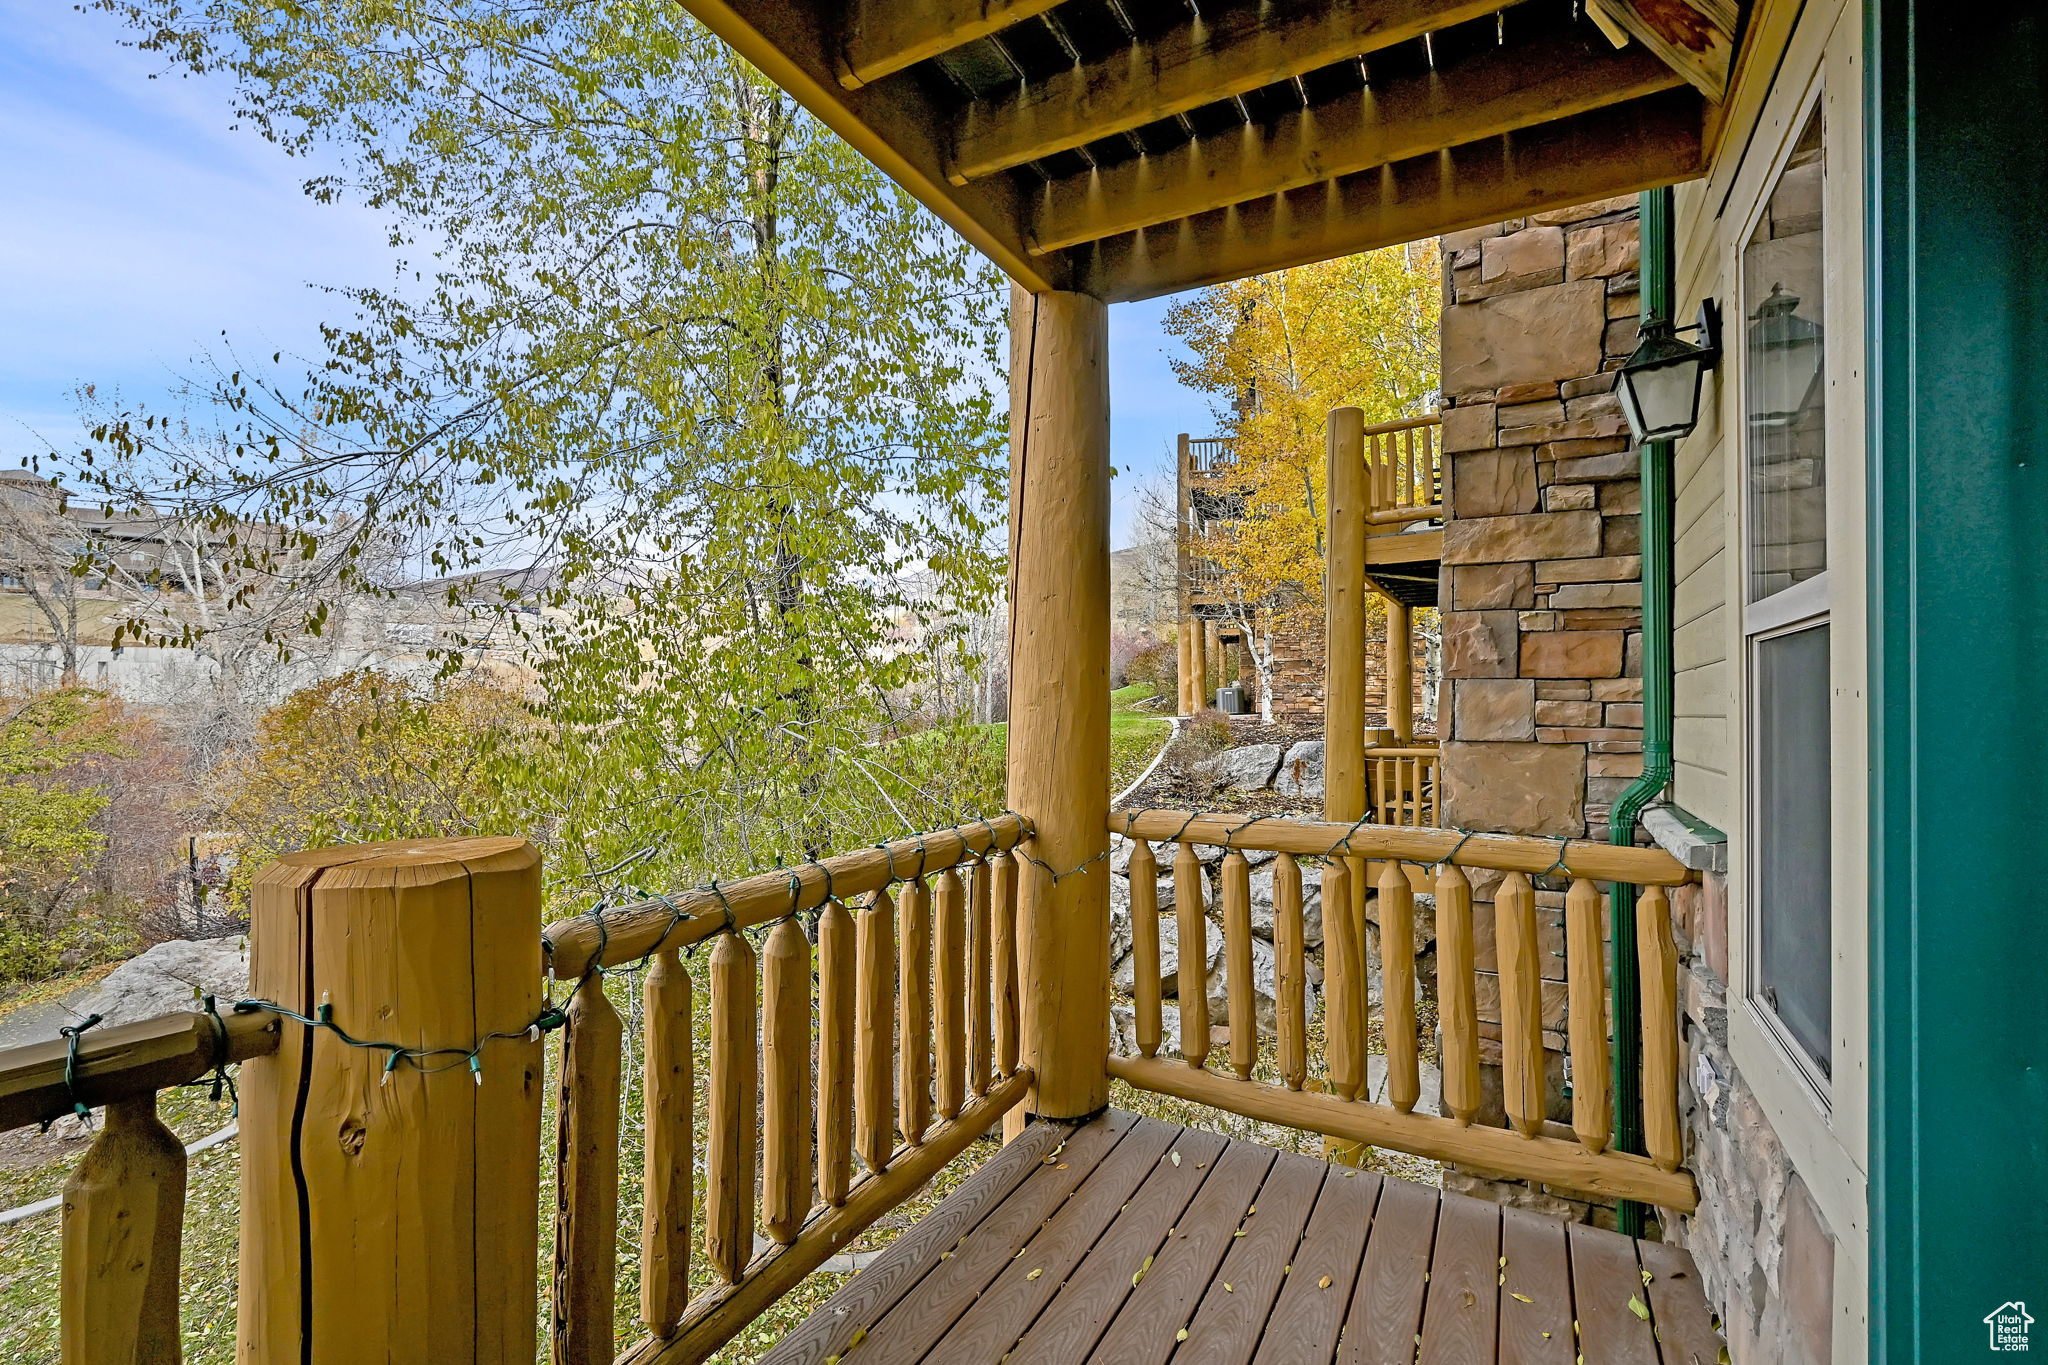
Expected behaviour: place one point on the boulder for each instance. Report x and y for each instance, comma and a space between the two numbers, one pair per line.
1123, 976
1301, 771
169, 977
1265, 986
1249, 767
1311, 904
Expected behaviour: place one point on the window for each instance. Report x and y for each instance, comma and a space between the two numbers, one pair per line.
1785, 618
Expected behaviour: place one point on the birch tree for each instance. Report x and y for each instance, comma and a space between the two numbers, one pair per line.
664, 337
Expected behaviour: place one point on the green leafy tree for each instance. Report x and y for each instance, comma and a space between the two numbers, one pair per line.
699, 385
48, 818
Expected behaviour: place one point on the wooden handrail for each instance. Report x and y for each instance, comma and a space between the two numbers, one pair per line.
1315, 838
629, 933
1496, 1150
126, 1061
786, 1113
1351, 1109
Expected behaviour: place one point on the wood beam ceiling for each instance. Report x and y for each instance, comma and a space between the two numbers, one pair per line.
885, 36
1696, 38
1635, 146
1498, 91
1243, 48
893, 124
1455, 130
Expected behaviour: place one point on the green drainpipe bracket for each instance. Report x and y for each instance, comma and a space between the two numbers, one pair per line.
1627, 1048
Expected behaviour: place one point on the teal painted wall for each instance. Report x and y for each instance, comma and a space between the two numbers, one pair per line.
1958, 99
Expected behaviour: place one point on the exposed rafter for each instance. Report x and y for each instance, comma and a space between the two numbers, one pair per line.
1696, 38
1233, 51
1648, 142
896, 127
884, 36
1497, 91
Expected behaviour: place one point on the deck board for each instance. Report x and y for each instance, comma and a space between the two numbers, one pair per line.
1006, 1310
1536, 1296
1094, 1294
1220, 1258
1232, 1317
1305, 1322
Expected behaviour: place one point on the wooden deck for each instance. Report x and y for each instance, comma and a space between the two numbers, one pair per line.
1131, 1241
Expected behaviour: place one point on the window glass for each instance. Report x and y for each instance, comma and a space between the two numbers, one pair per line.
1795, 949
1784, 392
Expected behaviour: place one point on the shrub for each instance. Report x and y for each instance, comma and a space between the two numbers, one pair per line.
1206, 735
1156, 664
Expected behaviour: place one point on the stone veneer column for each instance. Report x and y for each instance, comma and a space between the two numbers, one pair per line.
1541, 709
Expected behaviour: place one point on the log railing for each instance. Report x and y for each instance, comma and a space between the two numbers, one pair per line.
810, 1135
1362, 860
1404, 472
1403, 783
124, 1203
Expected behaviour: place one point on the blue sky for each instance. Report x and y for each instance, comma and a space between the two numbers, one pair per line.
140, 225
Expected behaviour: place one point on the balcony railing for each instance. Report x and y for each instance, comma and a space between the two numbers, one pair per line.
1404, 472
391, 1108
1530, 1148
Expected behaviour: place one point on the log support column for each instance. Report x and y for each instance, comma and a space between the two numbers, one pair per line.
1059, 689
1344, 625
389, 1211
1400, 672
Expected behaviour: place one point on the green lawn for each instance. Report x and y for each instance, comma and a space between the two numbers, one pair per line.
1134, 735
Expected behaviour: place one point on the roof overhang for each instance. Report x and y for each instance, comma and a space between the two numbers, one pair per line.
1129, 148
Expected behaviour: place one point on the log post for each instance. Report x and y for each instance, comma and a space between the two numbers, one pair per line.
1059, 688
393, 1215
1344, 633
1400, 672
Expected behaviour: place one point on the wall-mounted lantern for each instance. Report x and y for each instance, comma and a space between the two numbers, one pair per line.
1659, 386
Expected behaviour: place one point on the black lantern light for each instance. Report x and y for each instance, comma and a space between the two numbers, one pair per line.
1660, 384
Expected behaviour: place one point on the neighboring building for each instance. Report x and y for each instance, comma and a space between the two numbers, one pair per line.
1215, 620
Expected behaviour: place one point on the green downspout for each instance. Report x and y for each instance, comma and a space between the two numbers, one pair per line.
1658, 267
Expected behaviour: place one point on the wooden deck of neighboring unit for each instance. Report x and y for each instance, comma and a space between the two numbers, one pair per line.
1135, 1241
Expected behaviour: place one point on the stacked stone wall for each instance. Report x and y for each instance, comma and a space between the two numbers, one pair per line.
1298, 675
1541, 709
1764, 1250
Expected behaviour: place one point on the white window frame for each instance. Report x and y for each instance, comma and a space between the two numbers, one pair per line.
1821, 1120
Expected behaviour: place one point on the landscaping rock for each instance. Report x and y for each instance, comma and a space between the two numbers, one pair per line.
1249, 767
1301, 771
1123, 977
166, 979
1311, 904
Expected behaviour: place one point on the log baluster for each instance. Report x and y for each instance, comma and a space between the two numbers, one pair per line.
914, 1010
1457, 1002
786, 1082
124, 1208
949, 995
1237, 949
730, 1110
668, 1170
1144, 870
587, 1178
1192, 930
1343, 982
979, 1042
1586, 1007
837, 991
1289, 948
1657, 958
1003, 948
874, 1107
1397, 973
1521, 1002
